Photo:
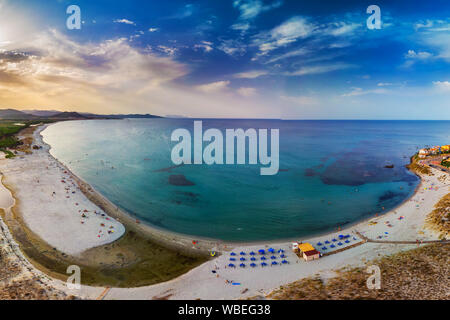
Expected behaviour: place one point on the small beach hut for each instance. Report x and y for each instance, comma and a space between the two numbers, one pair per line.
311, 255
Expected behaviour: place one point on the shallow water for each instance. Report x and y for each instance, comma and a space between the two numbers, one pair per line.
331, 173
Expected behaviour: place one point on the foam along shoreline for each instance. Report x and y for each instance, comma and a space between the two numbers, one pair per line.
21, 174
52, 205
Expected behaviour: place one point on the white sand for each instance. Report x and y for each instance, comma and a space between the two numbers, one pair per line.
55, 217
57, 220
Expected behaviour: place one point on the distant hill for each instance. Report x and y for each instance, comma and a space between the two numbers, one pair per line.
121, 116
42, 113
11, 114
68, 115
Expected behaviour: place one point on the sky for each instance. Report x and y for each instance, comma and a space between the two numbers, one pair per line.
229, 58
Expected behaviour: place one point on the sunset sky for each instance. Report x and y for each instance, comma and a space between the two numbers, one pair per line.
229, 58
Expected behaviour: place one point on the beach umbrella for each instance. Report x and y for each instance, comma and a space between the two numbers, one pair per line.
271, 250
232, 254
253, 265
252, 253
261, 251
242, 265
284, 262
273, 257
334, 240
327, 242
340, 244
253, 258
242, 253
354, 238
346, 241
232, 259
263, 258
319, 243
324, 248
282, 256
242, 259
263, 264
231, 265
274, 263
281, 251
332, 246
341, 236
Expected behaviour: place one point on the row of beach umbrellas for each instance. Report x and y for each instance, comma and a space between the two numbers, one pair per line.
254, 265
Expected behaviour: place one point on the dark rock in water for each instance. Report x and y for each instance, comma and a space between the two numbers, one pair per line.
309, 172
389, 195
390, 166
180, 180
169, 169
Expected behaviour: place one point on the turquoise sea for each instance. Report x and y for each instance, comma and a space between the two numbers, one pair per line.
332, 173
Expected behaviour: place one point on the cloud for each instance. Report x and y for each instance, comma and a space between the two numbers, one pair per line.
319, 69
359, 92
284, 34
213, 87
251, 74
247, 91
421, 55
204, 45
341, 28
233, 47
125, 21
443, 86
184, 12
250, 9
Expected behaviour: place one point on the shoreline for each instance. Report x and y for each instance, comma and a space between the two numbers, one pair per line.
184, 241
200, 277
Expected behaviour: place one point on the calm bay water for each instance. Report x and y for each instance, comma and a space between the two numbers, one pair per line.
332, 173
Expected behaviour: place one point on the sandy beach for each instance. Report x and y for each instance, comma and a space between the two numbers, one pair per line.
59, 221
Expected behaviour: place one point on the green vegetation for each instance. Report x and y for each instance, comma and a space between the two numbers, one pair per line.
445, 163
415, 167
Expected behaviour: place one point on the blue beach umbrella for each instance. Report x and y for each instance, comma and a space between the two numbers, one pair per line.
282, 256
332, 246
263, 258
284, 262
253, 258
327, 242
354, 238
340, 244
273, 257
242, 265
341, 236
242, 259
334, 240
232, 254
231, 265
242, 253
271, 250
274, 263
281, 251
319, 243
346, 241
252, 253
253, 265
263, 264
232, 259
324, 248
261, 251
